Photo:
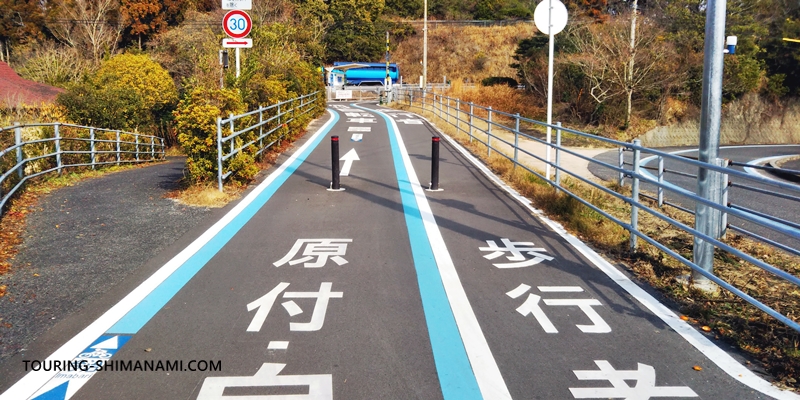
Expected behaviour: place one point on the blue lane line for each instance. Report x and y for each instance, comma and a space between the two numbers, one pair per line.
149, 306
452, 365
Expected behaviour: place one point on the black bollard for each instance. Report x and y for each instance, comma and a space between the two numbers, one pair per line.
434, 163
335, 162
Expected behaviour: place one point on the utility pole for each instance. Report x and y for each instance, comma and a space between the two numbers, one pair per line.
388, 79
629, 78
708, 220
425, 46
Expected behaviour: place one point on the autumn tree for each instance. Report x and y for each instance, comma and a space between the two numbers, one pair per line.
21, 21
142, 18
91, 26
54, 64
617, 65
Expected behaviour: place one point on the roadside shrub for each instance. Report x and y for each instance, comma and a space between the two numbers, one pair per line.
196, 124
128, 91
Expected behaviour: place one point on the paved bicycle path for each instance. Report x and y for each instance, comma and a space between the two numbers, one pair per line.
384, 290
84, 239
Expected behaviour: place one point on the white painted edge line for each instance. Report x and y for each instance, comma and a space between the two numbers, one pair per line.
34, 380
701, 343
762, 161
487, 373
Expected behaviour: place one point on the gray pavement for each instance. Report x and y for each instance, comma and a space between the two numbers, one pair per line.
380, 291
84, 239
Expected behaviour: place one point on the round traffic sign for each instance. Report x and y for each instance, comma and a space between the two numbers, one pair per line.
543, 17
237, 24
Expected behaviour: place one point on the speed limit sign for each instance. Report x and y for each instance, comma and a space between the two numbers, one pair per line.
237, 24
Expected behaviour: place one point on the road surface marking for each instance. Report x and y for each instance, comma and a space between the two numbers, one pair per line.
467, 369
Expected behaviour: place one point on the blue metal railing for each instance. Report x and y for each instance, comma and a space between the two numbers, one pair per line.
277, 116
56, 146
482, 124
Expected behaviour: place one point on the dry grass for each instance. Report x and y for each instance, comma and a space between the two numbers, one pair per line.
205, 195
174, 151
725, 316
460, 52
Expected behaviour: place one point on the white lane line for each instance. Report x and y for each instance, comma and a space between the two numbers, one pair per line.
762, 161
716, 355
484, 366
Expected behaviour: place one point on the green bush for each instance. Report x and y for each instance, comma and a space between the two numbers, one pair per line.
128, 92
196, 122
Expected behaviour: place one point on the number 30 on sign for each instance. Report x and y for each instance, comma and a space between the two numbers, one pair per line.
237, 24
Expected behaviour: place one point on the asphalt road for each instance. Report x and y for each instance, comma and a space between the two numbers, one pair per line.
778, 207
381, 291
83, 240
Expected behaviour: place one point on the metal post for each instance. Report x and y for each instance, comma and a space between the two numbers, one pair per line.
261, 130
137, 147
448, 110
551, 47
434, 163
118, 148
621, 165
635, 193
57, 134
219, 153
723, 224
458, 115
425, 45
91, 144
660, 181
233, 140
712, 225
558, 154
470, 121
489, 133
516, 140
706, 218
153, 148
335, 162
18, 143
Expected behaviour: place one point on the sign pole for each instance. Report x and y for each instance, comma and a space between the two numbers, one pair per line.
550, 17
238, 69
549, 85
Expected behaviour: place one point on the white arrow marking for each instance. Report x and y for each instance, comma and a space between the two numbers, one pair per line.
112, 343
348, 162
357, 137
320, 387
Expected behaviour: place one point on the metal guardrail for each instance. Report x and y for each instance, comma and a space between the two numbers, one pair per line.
40, 148
277, 116
482, 123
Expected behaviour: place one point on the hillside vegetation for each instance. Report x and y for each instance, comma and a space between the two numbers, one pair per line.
465, 53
